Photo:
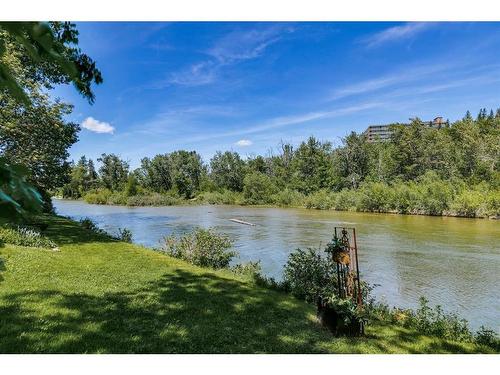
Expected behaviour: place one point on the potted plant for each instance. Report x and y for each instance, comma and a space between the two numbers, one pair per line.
341, 316
339, 251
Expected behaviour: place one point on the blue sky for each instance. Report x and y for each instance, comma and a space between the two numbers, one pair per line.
247, 86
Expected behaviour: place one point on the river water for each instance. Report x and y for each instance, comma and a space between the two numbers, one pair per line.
453, 262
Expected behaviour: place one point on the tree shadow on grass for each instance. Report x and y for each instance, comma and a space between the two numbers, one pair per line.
180, 313
65, 231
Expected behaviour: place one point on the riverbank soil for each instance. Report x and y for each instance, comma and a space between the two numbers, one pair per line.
97, 295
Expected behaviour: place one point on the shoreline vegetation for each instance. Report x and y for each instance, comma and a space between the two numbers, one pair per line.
453, 170
97, 294
467, 204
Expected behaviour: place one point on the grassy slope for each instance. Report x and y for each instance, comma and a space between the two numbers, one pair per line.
97, 295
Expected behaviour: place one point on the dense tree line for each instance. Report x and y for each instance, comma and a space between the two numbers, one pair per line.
420, 170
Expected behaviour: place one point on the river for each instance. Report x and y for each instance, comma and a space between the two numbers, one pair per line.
453, 262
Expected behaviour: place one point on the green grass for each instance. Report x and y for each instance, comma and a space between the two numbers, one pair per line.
98, 295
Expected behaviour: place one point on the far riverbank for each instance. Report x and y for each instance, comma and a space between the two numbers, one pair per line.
465, 206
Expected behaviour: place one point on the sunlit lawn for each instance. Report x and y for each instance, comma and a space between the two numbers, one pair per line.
97, 295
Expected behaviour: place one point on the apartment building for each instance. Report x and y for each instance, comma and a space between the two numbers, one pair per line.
375, 133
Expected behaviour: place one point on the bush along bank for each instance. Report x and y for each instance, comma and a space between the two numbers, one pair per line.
309, 275
429, 195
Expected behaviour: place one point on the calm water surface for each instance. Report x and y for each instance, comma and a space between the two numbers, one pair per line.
452, 261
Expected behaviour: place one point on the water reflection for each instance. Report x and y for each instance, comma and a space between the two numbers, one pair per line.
453, 262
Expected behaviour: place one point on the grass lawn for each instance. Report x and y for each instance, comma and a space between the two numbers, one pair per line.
101, 296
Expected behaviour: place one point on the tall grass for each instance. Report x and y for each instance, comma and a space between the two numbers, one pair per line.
429, 195
105, 196
288, 198
153, 199
221, 197
420, 198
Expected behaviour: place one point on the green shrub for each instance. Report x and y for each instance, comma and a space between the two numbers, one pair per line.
201, 247
132, 186
470, 203
345, 200
248, 269
97, 196
405, 198
435, 195
153, 199
308, 275
487, 337
258, 188
375, 197
221, 197
433, 321
211, 197
320, 200
493, 203
88, 224
118, 198
23, 236
288, 197
124, 235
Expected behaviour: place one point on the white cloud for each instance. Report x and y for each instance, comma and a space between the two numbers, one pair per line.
249, 44
234, 47
396, 33
97, 126
198, 74
409, 74
244, 143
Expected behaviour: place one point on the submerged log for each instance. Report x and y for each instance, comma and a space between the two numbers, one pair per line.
242, 222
